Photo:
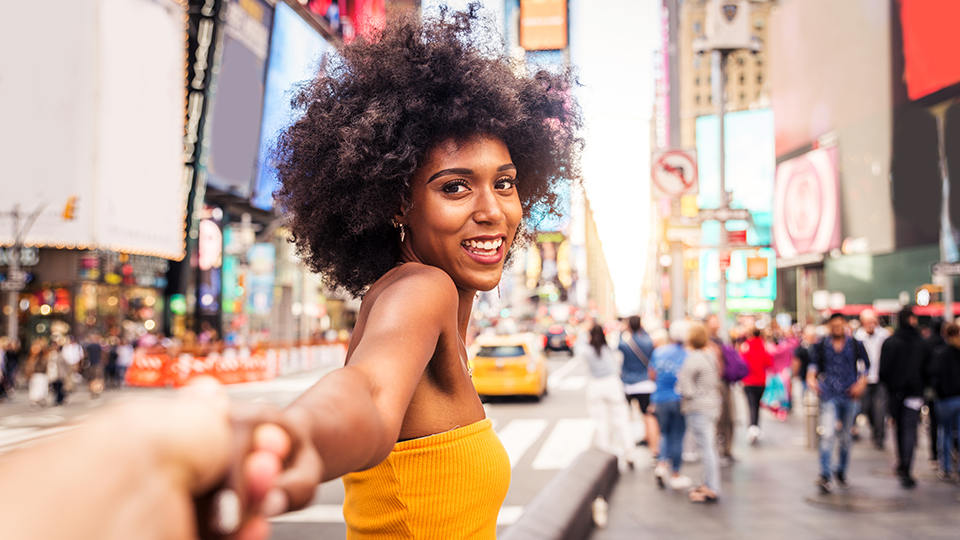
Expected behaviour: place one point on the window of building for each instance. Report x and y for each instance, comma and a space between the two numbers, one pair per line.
696, 27
697, 100
743, 97
696, 81
741, 79
760, 79
696, 61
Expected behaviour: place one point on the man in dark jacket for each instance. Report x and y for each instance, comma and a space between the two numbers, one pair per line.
904, 360
934, 341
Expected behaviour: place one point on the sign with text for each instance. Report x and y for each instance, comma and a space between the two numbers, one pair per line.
724, 214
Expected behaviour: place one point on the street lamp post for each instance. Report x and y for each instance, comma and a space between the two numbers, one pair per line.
727, 31
16, 278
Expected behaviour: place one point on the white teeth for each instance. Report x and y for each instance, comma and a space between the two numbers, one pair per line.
490, 245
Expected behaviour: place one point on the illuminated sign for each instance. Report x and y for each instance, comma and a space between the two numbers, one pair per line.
543, 24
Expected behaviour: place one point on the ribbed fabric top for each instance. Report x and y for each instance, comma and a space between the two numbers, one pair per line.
447, 486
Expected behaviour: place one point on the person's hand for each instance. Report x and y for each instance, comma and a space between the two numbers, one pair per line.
275, 468
856, 390
813, 384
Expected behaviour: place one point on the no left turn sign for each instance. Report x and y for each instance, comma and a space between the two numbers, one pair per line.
674, 173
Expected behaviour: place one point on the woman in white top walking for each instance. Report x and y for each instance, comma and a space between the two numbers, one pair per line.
606, 401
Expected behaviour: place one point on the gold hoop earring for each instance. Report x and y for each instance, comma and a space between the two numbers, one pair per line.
402, 234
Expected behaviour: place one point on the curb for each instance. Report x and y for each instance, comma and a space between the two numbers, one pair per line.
562, 510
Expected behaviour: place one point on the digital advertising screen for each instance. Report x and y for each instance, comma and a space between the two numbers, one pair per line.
235, 109
296, 50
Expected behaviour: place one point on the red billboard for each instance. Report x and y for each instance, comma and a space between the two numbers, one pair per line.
930, 45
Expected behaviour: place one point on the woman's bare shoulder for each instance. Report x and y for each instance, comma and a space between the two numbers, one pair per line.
415, 285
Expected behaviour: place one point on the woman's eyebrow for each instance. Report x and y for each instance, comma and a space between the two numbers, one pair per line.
463, 171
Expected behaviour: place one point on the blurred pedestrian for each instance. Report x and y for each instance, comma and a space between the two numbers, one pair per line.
759, 360
699, 385
945, 381
837, 373
665, 365
637, 347
58, 372
94, 363
124, 360
935, 340
729, 376
38, 384
874, 400
801, 354
904, 363
606, 401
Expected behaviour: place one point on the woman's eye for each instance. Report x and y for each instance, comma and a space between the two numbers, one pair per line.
506, 183
457, 186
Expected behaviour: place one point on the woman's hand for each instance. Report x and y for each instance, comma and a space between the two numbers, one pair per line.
275, 468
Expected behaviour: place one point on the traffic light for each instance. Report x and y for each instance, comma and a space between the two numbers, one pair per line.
70, 208
928, 294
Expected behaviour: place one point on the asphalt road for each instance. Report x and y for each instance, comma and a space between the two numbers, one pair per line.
541, 438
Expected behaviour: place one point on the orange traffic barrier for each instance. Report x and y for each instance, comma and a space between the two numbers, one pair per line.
232, 365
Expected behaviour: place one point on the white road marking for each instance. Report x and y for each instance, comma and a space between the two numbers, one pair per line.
333, 513
572, 382
561, 372
11, 438
519, 435
569, 438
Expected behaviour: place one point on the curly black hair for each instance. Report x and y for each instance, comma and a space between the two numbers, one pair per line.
370, 118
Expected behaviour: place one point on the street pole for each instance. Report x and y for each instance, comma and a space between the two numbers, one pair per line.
678, 297
13, 273
948, 245
719, 75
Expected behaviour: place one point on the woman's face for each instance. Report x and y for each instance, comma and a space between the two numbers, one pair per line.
464, 211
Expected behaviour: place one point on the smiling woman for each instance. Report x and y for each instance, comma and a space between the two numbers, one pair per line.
408, 179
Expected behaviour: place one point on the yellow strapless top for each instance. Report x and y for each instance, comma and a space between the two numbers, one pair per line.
448, 486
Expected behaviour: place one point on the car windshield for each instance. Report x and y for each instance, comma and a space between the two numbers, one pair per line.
501, 351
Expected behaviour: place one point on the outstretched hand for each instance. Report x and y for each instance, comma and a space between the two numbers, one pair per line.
274, 469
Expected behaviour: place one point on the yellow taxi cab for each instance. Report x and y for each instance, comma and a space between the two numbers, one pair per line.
509, 365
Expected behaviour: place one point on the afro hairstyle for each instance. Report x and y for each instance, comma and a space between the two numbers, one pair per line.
375, 111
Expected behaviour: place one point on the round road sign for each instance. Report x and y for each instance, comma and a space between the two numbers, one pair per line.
674, 173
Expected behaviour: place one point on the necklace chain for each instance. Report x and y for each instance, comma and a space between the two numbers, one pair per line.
466, 362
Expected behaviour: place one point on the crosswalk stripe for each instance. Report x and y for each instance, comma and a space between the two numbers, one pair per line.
561, 372
333, 513
11, 438
519, 435
573, 382
568, 439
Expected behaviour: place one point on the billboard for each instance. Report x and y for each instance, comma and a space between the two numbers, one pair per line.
233, 122
806, 204
543, 24
101, 120
295, 53
749, 177
930, 44
830, 78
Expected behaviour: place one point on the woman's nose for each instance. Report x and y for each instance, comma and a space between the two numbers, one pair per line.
489, 208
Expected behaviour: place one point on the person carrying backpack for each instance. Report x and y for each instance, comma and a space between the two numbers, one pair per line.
732, 370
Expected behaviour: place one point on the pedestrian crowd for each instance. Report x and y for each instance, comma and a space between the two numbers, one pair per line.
682, 380
51, 369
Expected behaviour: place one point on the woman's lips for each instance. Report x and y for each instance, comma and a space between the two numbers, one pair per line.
484, 251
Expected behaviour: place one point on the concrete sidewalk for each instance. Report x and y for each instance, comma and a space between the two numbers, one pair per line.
770, 494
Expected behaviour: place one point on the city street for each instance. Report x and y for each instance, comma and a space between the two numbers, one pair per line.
769, 493
541, 438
